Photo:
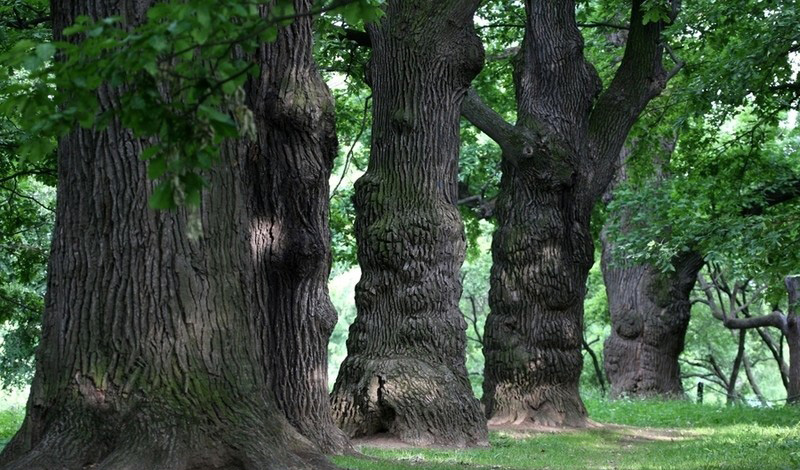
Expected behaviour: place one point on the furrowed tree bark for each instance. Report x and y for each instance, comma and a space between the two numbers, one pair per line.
557, 161
650, 313
287, 168
148, 358
793, 338
405, 371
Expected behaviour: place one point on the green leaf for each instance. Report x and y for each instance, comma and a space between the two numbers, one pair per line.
163, 196
156, 167
200, 35
149, 152
45, 51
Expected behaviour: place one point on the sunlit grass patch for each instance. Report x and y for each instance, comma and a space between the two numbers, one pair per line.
10, 421
642, 435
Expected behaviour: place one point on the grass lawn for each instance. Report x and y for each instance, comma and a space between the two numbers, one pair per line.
650, 435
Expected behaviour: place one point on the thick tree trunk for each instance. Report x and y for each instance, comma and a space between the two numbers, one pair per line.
649, 316
148, 358
542, 253
405, 371
557, 160
287, 176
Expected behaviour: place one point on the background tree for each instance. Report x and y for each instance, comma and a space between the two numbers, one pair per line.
717, 45
649, 312
557, 161
26, 214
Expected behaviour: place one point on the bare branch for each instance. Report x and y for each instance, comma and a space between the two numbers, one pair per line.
679, 64
502, 55
604, 24
776, 319
596, 363
487, 120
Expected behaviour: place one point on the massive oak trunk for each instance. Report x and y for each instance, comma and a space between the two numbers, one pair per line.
287, 175
557, 161
649, 316
542, 252
148, 358
405, 371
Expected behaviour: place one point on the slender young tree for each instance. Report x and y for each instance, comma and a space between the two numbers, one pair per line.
558, 160
148, 357
287, 169
405, 371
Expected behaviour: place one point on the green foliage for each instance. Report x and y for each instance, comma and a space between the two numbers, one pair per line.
178, 76
10, 422
597, 327
27, 201
655, 11
342, 291
701, 205
474, 304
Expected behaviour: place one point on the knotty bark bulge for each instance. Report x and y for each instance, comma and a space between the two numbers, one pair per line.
649, 316
405, 371
557, 161
287, 176
148, 358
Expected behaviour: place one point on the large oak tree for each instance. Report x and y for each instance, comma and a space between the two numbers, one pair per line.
405, 370
150, 356
558, 159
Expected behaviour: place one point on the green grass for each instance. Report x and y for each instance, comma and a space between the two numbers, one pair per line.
655, 435
10, 421
667, 435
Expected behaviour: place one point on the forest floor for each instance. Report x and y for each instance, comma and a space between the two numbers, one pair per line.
646, 435
641, 435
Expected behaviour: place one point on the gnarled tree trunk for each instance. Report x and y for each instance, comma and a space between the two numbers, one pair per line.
558, 159
287, 170
405, 371
649, 317
542, 253
148, 358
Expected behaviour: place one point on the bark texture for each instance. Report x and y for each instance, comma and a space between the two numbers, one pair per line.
557, 160
287, 170
405, 371
649, 317
793, 338
148, 358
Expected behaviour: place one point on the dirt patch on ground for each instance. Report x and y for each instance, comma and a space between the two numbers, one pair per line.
627, 433
389, 441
